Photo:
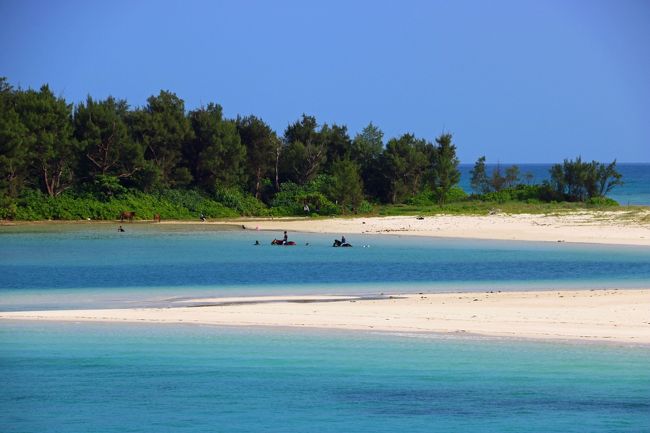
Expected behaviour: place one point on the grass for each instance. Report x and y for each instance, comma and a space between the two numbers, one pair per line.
485, 208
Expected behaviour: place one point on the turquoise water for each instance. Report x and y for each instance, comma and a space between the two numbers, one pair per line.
140, 378
70, 266
634, 191
85, 377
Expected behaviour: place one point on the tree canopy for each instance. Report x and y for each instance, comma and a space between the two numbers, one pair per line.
105, 147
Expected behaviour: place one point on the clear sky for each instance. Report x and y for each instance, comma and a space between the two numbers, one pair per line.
516, 80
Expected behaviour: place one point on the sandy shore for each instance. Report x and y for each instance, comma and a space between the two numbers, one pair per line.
586, 227
621, 316
623, 227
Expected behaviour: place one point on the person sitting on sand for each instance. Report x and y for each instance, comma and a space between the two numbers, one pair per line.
202, 217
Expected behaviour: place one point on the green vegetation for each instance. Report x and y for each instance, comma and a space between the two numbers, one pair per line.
102, 157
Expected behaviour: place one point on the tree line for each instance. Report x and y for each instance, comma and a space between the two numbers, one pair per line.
105, 148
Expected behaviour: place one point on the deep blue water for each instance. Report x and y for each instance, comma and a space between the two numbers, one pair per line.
65, 266
65, 378
634, 191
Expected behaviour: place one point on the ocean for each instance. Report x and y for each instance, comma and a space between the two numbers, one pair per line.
141, 378
109, 377
634, 191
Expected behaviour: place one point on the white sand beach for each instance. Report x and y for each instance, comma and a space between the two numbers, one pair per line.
585, 227
621, 316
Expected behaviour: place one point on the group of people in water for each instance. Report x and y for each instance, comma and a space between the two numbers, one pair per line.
285, 241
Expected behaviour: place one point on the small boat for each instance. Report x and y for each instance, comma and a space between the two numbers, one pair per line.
338, 243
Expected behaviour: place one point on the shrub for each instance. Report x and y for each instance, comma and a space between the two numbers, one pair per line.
292, 198
430, 197
365, 207
243, 204
602, 201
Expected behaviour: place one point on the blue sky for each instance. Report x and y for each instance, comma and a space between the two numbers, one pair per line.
515, 80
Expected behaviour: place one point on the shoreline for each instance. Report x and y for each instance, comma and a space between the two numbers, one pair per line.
599, 227
607, 315
588, 228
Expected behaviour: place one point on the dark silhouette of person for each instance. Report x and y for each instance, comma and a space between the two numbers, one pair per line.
285, 238
120, 229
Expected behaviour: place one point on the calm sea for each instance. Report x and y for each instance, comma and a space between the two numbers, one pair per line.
634, 191
69, 266
64, 378
84, 377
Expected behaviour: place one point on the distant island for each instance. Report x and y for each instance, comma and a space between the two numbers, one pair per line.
101, 159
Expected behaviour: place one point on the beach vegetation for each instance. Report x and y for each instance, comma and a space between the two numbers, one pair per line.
445, 167
484, 183
101, 157
575, 180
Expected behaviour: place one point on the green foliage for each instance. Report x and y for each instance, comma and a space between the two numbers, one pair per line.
367, 146
106, 186
14, 152
161, 128
497, 196
243, 204
52, 151
482, 183
338, 145
406, 161
522, 193
479, 180
304, 152
169, 204
215, 155
107, 148
8, 208
365, 208
292, 198
581, 181
445, 167
429, 197
262, 146
455, 194
602, 201
102, 158
346, 187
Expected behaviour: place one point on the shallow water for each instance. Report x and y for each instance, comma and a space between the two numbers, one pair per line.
142, 378
70, 266
81, 377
